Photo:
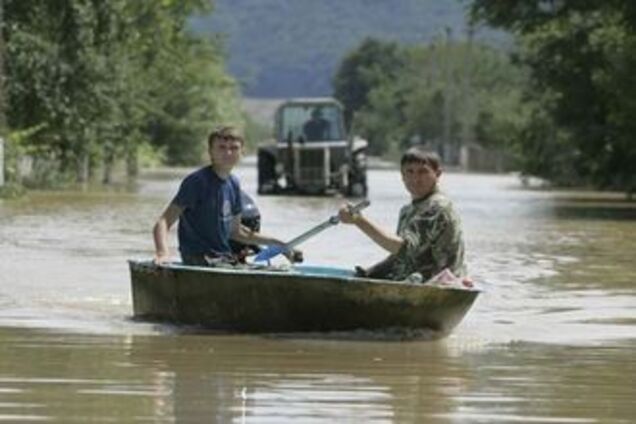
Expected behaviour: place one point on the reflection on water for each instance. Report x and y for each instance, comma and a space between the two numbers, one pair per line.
557, 269
588, 206
194, 378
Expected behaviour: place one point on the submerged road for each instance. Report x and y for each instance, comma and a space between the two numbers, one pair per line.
551, 339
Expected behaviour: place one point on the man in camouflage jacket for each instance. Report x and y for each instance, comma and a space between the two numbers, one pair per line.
429, 236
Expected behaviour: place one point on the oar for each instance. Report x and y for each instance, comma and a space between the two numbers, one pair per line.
271, 251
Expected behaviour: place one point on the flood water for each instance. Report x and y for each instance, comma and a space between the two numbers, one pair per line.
551, 339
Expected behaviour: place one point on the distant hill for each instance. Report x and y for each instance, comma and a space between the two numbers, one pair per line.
286, 48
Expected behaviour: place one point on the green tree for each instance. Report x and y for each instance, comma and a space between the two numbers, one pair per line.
195, 94
369, 65
582, 68
444, 94
102, 79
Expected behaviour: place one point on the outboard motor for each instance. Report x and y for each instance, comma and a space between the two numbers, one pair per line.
251, 218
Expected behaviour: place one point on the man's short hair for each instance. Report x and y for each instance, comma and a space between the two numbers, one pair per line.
226, 132
417, 154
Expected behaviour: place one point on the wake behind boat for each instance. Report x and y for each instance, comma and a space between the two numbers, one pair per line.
297, 299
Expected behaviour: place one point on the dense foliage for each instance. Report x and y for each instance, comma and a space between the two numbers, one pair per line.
88, 82
368, 66
582, 61
443, 94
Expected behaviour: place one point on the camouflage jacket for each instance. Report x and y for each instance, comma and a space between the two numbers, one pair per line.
432, 236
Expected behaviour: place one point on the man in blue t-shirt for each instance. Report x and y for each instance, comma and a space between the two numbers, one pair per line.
208, 206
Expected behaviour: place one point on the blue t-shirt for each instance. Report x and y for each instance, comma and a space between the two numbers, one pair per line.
209, 204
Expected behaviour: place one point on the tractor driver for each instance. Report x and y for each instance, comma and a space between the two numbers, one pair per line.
316, 128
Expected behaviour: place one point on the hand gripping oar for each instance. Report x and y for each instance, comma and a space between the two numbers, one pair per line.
274, 250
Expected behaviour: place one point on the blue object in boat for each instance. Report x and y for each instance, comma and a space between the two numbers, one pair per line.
269, 252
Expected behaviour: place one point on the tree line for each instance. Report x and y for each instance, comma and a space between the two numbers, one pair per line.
88, 84
559, 102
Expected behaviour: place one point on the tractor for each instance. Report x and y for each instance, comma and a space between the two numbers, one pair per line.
311, 153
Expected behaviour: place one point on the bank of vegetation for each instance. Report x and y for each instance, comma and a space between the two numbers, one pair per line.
559, 103
582, 62
94, 85
91, 85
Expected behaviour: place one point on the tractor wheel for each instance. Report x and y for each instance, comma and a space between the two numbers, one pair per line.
266, 173
358, 189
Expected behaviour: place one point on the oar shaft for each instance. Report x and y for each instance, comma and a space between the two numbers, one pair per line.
272, 251
308, 234
333, 220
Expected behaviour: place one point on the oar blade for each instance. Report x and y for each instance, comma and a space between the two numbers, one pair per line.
268, 253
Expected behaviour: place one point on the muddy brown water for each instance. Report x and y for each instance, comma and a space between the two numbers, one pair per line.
550, 340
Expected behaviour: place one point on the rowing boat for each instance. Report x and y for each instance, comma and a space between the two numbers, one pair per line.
260, 299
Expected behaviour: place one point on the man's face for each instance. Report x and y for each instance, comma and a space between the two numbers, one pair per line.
419, 179
225, 153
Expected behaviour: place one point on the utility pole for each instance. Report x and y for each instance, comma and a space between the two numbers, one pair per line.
447, 112
467, 103
3, 118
